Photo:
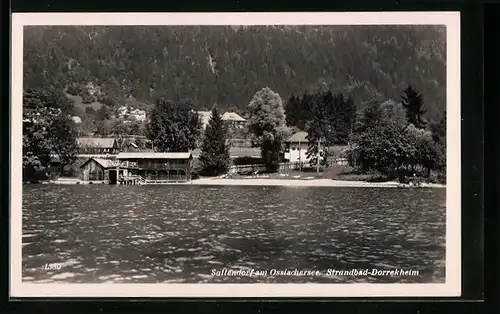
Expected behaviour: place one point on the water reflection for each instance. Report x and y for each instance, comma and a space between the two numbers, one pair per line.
149, 234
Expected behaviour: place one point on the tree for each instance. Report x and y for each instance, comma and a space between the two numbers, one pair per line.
214, 156
173, 127
119, 127
439, 130
345, 125
413, 103
369, 116
63, 133
103, 113
47, 129
87, 97
143, 60
36, 144
87, 126
321, 126
74, 89
90, 111
384, 147
266, 125
294, 112
430, 154
103, 128
135, 127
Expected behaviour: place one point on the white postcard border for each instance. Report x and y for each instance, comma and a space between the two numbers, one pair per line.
452, 286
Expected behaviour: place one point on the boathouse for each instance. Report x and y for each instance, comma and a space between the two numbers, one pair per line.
159, 168
106, 170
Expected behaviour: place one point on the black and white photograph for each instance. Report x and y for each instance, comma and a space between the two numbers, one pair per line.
235, 154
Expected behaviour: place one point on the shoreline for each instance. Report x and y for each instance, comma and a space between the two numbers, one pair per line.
273, 182
304, 183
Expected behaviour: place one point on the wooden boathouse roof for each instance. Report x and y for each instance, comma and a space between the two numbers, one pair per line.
154, 155
109, 163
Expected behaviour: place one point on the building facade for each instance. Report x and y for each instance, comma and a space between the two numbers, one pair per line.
205, 118
296, 147
159, 167
95, 169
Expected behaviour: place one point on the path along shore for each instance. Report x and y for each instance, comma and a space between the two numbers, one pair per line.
277, 182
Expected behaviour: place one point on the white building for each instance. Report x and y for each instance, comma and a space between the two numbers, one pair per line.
76, 119
122, 111
126, 113
296, 147
139, 115
205, 117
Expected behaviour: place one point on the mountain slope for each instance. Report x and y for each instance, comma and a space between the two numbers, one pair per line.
228, 65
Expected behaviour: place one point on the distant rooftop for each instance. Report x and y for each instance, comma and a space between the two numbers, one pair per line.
232, 116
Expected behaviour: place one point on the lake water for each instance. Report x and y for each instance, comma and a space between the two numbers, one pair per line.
150, 234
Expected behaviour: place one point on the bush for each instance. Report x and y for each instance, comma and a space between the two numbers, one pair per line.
87, 98
243, 161
74, 89
312, 169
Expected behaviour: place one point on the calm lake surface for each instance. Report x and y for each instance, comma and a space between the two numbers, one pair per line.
150, 234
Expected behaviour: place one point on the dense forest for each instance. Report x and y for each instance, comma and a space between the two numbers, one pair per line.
227, 65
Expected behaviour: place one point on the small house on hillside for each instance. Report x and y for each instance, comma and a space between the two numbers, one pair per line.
233, 120
76, 119
296, 147
97, 145
125, 112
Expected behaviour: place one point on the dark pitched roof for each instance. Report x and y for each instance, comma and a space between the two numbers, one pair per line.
101, 142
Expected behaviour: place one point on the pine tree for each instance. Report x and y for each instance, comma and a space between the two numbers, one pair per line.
321, 126
413, 102
214, 156
350, 108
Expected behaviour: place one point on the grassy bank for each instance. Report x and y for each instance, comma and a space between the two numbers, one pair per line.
338, 173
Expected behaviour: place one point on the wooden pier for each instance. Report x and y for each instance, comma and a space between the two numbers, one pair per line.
131, 180
139, 180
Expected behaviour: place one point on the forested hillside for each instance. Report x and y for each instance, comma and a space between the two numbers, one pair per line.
227, 65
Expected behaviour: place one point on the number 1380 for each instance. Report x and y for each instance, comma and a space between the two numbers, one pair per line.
52, 266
